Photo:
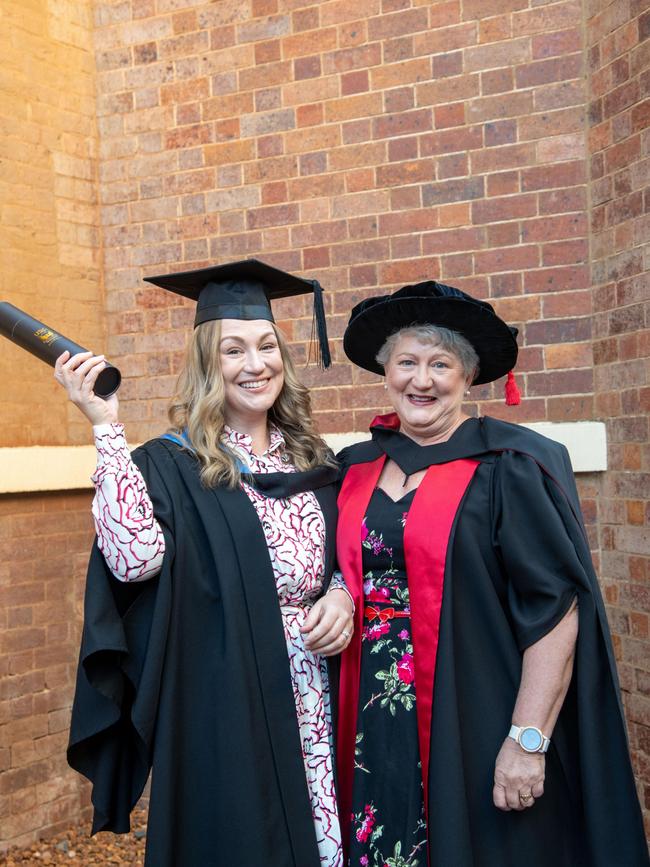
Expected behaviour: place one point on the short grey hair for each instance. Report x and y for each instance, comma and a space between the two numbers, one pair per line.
450, 341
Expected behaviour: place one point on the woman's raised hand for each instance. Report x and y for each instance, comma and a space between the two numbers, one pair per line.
77, 374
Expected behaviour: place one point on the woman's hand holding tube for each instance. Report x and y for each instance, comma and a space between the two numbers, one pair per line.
329, 625
77, 374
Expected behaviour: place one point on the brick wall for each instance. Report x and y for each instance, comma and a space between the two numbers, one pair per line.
377, 142
372, 143
365, 143
50, 251
619, 176
50, 264
44, 543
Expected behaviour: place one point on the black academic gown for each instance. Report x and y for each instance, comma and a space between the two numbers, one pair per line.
517, 557
189, 673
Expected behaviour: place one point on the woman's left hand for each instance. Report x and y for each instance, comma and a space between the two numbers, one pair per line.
329, 625
518, 777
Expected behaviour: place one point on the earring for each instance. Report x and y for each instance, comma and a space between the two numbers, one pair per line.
385, 386
467, 393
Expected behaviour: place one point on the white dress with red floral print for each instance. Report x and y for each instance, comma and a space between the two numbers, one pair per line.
133, 546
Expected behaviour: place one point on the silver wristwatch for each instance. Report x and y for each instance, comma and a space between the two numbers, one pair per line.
529, 738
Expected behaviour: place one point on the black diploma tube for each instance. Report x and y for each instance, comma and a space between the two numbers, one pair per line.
47, 344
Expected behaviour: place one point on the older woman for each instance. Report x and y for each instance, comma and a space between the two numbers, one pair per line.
204, 660
480, 721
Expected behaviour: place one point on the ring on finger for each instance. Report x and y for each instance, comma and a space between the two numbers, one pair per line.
345, 634
525, 798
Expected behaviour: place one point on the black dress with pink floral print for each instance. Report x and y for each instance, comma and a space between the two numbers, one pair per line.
388, 825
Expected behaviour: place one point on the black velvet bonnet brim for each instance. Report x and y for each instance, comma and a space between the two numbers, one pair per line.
372, 321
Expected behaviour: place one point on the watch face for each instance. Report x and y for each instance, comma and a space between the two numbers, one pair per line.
530, 739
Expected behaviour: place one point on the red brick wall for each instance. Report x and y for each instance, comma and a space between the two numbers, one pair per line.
44, 543
50, 256
619, 174
377, 142
366, 143
50, 250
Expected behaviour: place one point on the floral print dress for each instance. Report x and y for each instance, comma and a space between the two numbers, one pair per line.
388, 825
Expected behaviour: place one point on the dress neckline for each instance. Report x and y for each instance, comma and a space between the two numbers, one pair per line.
401, 499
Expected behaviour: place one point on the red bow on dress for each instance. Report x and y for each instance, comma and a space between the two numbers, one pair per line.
383, 614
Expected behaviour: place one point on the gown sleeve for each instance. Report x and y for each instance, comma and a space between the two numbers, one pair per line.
128, 534
120, 668
540, 537
540, 560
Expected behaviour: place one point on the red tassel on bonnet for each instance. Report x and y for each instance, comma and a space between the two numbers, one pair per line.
513, 397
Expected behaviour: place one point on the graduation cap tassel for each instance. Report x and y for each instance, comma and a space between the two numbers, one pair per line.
513, 397
325, 359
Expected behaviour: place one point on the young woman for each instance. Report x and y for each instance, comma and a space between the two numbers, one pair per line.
204, 659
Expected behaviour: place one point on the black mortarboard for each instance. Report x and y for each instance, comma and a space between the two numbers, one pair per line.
244, 290
372, 321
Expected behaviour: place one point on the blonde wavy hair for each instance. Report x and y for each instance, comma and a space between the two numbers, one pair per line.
198, 410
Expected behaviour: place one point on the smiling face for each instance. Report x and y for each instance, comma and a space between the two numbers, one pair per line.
252, 370
426, 385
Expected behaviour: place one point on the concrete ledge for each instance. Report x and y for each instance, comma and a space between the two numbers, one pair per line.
66, 468
585, 440
46, 468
